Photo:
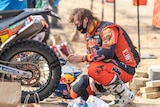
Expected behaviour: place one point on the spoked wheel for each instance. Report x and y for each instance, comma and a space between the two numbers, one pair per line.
38, 59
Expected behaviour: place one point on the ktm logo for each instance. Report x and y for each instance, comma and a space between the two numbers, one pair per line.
99, 69
117, 70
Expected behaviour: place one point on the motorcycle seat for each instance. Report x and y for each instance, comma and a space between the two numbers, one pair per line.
4, 23
9, 13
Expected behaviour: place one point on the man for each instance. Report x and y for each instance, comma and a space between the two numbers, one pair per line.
111, 56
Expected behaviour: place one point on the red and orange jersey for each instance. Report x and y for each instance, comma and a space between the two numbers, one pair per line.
110, 41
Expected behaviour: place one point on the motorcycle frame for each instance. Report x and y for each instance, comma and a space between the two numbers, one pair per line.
33, 27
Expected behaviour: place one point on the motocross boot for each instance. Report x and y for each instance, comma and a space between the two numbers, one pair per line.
123, 95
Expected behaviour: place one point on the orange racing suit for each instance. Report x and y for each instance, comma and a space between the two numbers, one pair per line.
109, 51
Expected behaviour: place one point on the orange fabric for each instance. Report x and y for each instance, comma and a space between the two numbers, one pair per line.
73, 94
104, 72
118, 47
90, 92
122, 51
126, 56
109, 32
156, 14
99, 72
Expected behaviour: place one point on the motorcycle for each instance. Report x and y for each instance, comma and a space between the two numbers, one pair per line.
31, 62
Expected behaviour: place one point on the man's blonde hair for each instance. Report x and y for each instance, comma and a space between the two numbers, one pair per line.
81, 13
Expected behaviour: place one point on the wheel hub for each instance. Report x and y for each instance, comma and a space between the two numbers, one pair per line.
35, 75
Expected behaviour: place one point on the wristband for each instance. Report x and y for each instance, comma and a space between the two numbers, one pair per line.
88, 58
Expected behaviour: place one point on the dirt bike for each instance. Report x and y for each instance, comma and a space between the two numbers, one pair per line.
31, 62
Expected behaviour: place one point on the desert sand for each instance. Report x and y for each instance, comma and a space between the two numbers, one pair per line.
126, 16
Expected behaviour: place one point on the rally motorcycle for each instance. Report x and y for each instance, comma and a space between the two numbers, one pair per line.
29, 61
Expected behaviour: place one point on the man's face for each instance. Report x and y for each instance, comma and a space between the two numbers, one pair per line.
81, 25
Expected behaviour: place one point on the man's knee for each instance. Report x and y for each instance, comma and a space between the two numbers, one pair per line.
100, 73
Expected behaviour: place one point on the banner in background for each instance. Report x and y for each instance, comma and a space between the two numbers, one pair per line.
12, 4
156, 14
110, 1
139, 2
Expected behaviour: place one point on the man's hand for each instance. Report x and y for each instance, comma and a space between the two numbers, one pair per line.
74, 58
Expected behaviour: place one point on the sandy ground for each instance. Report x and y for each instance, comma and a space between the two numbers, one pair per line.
126, 16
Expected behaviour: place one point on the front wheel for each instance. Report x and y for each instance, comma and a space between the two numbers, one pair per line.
45, 75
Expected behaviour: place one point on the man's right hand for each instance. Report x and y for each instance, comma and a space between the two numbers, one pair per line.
74, 58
